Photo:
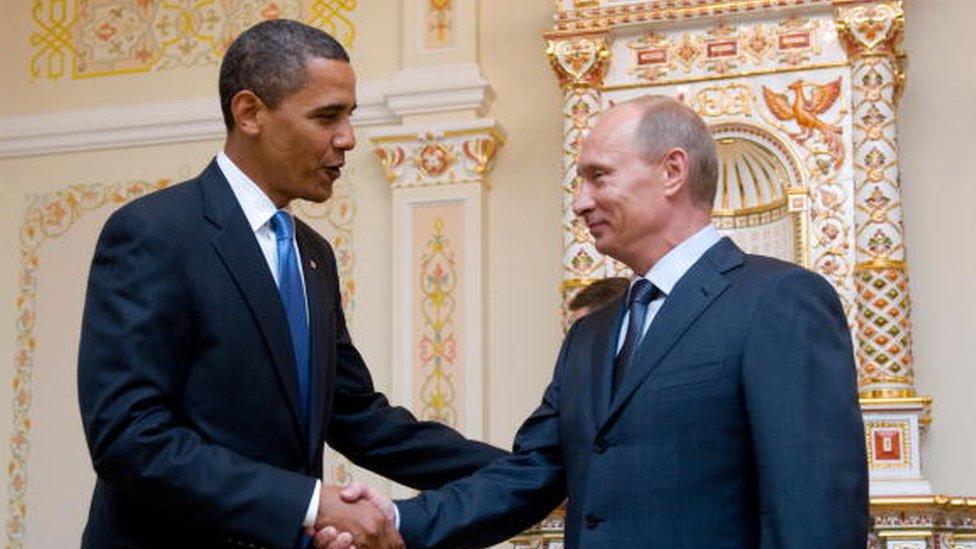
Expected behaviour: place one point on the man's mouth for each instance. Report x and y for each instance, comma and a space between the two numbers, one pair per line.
333, 171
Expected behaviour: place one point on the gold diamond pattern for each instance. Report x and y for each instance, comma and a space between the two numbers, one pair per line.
884, 343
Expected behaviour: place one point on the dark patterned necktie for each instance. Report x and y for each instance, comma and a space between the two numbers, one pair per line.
642, 293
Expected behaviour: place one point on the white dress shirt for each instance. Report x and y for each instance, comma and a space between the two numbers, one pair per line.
668, 271
259, 209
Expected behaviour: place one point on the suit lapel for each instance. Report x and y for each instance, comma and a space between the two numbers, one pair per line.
693, 293
607, 331
319, 295
239, 250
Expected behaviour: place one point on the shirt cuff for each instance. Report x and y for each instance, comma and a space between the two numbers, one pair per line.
396, 517
313, 507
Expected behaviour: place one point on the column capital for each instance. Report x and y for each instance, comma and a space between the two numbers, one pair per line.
872, 29
579, 60
438, 154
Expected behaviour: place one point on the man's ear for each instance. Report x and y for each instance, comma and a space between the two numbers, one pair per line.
676, 165
248, 111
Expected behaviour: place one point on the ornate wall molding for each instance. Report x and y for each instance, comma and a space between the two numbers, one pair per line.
872, 35
381, 103
439, 181
579, 61
440, 88
98, 38
573, 16
110, 127
441, 154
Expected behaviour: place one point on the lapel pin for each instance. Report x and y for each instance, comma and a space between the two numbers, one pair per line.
312, 264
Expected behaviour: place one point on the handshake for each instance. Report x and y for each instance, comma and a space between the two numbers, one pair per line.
356, 517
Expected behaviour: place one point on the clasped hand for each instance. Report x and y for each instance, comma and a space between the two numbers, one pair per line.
357, 517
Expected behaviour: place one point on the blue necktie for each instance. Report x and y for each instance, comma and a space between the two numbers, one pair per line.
293, 298
641, 295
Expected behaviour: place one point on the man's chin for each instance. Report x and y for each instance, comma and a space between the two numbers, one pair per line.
320, 193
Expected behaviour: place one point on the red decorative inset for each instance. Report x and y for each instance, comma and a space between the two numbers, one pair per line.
657, 56
887, 444
794, 40
722, 48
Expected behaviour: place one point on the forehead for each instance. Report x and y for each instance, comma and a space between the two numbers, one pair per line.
612, 134
327, 81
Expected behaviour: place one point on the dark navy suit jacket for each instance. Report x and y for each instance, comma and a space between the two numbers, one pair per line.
737, 426
188, 388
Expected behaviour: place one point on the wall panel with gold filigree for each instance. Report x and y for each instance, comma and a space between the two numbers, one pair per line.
439, 178
92, 38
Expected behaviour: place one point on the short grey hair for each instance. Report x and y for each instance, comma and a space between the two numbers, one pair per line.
667, 123
270, 59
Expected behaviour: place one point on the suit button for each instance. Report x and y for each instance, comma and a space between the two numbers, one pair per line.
599, 446
592, 521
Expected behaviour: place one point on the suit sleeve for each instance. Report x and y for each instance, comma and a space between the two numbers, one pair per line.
801, 394
389, 440
505, 497
135, 345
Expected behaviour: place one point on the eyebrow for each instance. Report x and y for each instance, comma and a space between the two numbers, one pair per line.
333, 108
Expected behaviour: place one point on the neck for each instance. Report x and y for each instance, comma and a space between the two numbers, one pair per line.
236, 148
659, 245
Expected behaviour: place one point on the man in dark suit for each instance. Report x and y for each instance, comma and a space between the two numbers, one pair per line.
215, 359
714, 406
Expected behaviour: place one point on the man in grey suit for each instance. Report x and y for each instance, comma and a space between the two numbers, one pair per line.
715, 405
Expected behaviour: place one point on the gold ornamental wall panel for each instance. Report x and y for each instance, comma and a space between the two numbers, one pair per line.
94, 38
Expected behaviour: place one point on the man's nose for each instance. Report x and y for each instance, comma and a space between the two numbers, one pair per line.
345, 137
582, 200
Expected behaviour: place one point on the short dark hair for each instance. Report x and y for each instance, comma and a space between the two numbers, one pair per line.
270, 60
599, 293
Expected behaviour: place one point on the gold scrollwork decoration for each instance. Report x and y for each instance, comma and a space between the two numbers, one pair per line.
871, 30
729, 100
580, 61
480, 153
392, 159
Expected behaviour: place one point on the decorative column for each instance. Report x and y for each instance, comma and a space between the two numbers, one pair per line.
580, 62
893, 414
872, 35
438, 174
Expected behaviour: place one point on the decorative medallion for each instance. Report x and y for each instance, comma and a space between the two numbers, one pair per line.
434, 159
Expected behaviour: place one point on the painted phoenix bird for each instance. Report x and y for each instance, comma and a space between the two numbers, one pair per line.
804, 111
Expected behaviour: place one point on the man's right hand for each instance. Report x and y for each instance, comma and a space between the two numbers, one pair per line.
370, 528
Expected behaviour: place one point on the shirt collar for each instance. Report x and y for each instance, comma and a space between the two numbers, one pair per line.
673, 265
258, 208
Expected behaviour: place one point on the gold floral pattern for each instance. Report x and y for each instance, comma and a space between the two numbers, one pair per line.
96, 38
438, 344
